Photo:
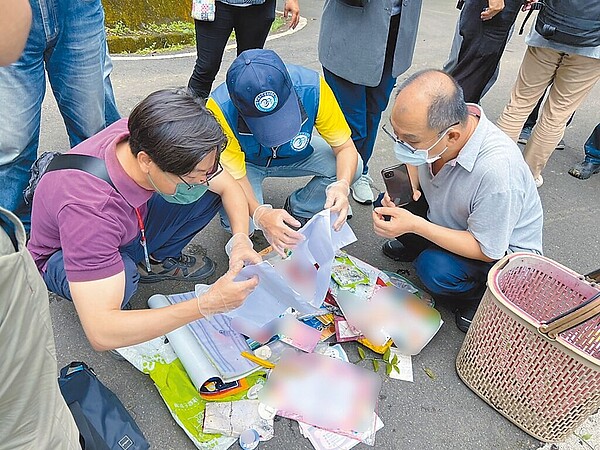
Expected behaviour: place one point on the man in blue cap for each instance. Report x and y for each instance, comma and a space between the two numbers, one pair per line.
268, 111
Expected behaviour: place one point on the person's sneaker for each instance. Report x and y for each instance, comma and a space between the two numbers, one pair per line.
464, 318
525, 135
397, 251
561, 145
538, 181
288, 208
361, 190
584, 170
184, 268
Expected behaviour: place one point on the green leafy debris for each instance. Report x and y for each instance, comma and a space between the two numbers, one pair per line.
361, 353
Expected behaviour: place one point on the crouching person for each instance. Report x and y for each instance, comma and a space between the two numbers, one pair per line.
477, 199
94, 240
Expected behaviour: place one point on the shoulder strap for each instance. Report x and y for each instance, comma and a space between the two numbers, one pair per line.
86, 163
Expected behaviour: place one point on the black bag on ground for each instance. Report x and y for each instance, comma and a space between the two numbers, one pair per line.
570, 22
103, 421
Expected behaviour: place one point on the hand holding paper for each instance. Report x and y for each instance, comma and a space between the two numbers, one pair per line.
226, 294
337, 200
274, 224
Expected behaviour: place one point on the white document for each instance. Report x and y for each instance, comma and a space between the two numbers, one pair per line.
405, 369
327, 440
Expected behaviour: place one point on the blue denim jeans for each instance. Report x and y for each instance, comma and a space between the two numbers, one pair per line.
321, 165
169, 228
592, 146
67, 40
363, 105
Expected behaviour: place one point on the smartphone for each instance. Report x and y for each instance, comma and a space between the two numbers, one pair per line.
397, 184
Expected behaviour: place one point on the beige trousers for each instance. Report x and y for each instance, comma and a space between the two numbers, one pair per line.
33, 413
572, 77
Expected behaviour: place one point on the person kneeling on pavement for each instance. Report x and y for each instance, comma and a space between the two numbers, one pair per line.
268, 110
475, 197
87, 237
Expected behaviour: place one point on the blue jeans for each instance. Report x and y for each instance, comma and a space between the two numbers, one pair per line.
362, 105
592, 146
67, 40
310, 199
169, 228
450, 278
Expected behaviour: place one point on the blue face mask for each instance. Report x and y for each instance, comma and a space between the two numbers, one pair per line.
407, 154
184, 193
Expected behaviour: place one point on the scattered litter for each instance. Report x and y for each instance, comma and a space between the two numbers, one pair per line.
404, 365
300, 382
391, 314
233, 418
326, 440
249, 439
429, 373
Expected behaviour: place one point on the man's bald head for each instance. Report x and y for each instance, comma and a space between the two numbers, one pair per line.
433, 94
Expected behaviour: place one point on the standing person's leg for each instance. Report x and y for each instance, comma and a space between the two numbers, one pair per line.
482, 46
252, 25
352, 99
22, 90
111, 112
379, 96
537, 70
211, 39
574, 78
591, 162
76, 68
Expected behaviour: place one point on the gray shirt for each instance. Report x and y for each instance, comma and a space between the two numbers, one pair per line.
534, 39
489, 191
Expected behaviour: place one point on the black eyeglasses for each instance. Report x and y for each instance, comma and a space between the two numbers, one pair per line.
393, 136
213, 172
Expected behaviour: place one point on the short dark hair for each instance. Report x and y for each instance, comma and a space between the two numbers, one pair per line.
175, 129
445, 107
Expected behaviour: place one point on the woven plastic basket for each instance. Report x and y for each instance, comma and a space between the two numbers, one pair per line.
541, 373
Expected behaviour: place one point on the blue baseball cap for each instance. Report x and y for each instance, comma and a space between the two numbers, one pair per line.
261, 89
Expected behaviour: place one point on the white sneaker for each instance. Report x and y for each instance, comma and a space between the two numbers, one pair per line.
361, 190
539, 181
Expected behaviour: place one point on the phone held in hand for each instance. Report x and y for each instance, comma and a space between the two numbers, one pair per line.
397, 184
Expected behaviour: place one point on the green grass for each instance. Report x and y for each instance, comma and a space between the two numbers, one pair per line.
180, 27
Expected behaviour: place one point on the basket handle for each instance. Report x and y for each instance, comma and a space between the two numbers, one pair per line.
571, 318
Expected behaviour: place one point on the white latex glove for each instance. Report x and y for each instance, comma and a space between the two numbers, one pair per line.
225, 294
337, 201
239, 248
274, 224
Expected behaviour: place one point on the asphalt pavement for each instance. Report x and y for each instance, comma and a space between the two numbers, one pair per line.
439, 413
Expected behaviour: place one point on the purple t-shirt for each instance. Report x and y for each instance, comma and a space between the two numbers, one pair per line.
84, 216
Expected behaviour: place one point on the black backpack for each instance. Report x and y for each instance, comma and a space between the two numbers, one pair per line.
103, 421
570, 22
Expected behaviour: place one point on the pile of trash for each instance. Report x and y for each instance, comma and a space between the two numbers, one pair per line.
225, 378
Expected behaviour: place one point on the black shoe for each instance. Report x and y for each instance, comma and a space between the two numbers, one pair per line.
464, 318
397, 251
288, 208
184, 268
584, 170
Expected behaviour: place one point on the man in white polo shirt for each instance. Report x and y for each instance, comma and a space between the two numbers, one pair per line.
475, 193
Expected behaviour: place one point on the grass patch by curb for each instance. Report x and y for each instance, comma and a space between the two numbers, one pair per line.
154, 38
